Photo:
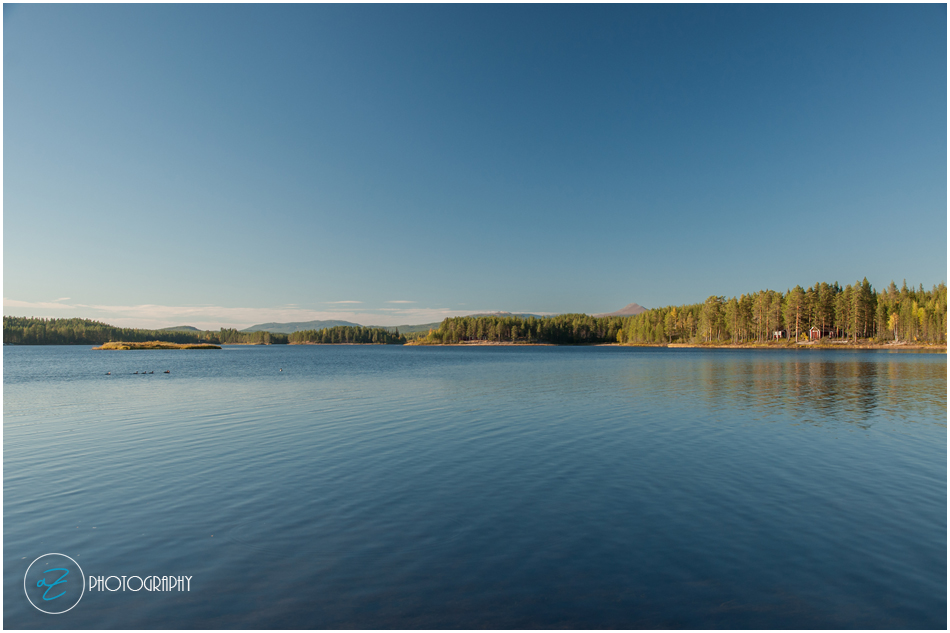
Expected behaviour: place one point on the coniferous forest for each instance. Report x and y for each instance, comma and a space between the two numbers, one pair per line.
855, 313
563, 329
30, 331
346, 334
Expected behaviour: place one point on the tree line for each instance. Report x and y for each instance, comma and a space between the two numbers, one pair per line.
341, 334
563, 329
32, 331
854, 312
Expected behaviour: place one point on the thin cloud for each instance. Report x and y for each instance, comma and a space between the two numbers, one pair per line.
211, 317
62, 299
343, 302
13, 303
400, 301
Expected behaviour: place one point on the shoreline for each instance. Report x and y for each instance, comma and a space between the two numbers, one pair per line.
917, 347
486, 344
339, 344
816, 346
937, 349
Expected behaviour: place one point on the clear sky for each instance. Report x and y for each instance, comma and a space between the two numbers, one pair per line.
222, 165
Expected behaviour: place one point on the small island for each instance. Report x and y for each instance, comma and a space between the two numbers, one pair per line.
155, 345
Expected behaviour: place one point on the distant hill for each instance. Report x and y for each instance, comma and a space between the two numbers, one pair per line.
179, 328
631, 309
523, 315
425, 327
290, 328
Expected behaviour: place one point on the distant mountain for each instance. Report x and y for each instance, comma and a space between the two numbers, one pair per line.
523, 315
425, 327
179, 328
290, 328
631, 309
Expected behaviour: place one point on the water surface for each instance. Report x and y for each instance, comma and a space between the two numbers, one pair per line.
378, 487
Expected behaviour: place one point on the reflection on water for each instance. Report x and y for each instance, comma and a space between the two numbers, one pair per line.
375, 487
853, 391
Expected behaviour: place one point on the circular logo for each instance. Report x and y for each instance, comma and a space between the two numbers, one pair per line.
54, 583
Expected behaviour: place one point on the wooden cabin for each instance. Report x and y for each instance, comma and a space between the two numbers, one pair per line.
816, 333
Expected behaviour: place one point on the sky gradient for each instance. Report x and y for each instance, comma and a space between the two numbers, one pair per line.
224, 165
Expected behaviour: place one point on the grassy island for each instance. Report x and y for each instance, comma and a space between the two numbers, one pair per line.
156, 345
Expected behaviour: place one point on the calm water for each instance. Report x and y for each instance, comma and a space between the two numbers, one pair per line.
378, 487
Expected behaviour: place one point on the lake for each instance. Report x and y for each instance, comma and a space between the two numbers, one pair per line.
500, 487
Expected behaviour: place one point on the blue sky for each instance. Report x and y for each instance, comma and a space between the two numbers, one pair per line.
223, 165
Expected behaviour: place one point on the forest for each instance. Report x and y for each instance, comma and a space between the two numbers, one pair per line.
31, 331
563, 329
347, 334
853, 313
